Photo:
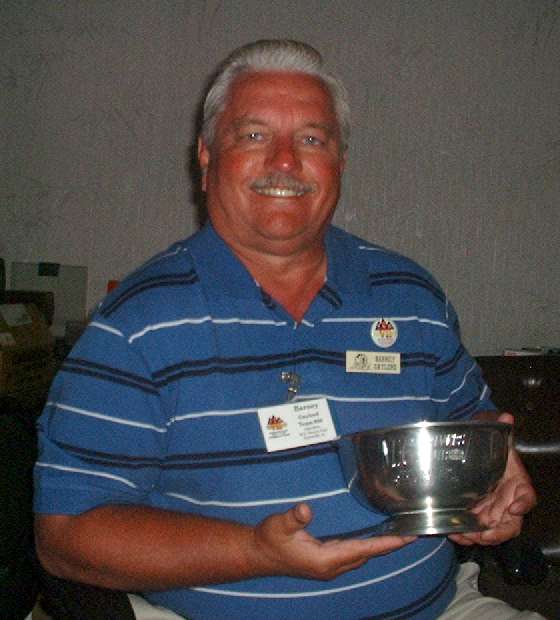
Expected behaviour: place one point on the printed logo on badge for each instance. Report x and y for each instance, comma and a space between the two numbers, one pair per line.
384, 333
275, 423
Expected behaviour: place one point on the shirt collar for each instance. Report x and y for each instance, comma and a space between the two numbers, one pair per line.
348, 267
215, 262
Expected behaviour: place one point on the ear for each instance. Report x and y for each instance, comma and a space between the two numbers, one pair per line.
203, 161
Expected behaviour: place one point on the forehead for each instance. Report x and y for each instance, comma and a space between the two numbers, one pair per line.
287, 94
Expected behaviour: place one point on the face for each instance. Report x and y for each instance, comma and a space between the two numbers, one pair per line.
272, 175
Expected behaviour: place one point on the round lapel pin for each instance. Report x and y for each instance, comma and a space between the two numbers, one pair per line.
384, 333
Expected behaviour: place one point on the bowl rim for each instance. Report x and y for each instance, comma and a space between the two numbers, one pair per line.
448, 424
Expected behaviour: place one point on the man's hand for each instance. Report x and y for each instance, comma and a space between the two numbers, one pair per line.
282, 542
502, 510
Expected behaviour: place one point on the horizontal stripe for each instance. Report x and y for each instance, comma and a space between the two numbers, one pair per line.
106, 328
458, 388
373, 319
448, 366
230, 370
303, 397
368, 248
210, 460
81, 362
108, 373
208, 414
328, 591
260, 363
110, 459
237, 412
86, 472
104, 377
388, 278
365, 399
263, 502
106, 418
247, 363
175, 250
418, 359
235, 456
165, 280
200, 321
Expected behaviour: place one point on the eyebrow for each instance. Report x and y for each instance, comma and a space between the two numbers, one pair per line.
247, 120
324, 126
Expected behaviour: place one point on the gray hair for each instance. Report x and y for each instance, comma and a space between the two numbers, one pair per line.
273, 55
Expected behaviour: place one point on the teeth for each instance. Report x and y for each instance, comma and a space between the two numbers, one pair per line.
279, 192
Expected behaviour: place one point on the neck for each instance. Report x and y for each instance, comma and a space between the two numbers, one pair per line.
293, 281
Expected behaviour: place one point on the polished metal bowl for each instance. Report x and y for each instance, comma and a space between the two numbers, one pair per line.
425, 477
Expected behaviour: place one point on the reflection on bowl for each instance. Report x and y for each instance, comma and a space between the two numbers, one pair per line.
427, 476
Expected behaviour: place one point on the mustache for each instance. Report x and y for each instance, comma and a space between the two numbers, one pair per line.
284, 181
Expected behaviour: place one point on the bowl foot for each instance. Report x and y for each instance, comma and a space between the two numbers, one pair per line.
429, 523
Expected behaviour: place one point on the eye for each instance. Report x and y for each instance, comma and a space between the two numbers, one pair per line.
313, 140
255, 136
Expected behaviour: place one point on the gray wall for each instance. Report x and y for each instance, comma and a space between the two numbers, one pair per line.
455, 156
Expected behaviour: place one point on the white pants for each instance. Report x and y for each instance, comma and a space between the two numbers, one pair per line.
468, 603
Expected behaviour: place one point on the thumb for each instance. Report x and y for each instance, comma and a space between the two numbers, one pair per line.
297, 518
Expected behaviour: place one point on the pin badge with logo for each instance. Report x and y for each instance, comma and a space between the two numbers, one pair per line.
384, 333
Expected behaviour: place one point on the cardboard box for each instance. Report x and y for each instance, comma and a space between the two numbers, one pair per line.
68, 283
26, 349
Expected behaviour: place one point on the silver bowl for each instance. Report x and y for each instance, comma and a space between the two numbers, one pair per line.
425, 477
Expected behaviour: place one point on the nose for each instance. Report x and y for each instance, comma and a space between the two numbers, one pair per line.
283, 155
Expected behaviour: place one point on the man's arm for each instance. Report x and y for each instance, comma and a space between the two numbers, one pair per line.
503, 509
141, 548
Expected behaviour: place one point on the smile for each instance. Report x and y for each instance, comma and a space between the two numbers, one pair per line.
280, 192
281, 186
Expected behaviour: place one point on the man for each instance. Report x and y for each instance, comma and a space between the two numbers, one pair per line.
163, 469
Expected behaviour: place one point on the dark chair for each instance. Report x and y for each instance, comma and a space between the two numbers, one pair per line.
68, 600
529, 388
18, 579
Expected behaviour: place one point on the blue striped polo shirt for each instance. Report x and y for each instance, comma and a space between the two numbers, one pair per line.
157, 405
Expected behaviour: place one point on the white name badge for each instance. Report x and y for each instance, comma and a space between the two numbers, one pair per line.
373, 361
296, 424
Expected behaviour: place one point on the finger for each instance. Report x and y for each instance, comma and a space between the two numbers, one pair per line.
482, 505
505, 531
297, 518
497, 512
303, 514
392, 542
523, 504
507, 418
467, 539
359, 551
381, 545
514, 501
